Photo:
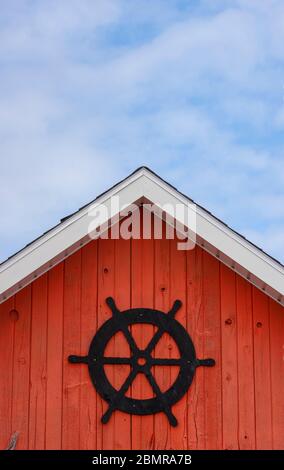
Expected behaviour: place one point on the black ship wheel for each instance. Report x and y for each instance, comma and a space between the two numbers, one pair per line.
141, 361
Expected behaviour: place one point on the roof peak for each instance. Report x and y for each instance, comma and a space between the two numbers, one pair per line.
214, 236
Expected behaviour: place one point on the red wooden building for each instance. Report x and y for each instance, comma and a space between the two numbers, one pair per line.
53, 301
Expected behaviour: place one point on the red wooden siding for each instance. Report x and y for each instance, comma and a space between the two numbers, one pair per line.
238, 404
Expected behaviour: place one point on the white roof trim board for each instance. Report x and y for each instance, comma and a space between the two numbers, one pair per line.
213, 235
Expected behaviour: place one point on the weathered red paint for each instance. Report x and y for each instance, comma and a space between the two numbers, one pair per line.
238, 404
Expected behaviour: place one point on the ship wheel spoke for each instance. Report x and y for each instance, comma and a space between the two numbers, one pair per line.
129, 338
166, 362
118, 316
117, 360
167, 410
204, 362
121, 392
157, 336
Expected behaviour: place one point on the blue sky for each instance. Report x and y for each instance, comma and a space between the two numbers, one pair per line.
92, 89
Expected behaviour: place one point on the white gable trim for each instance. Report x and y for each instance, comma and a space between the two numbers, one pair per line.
213, 235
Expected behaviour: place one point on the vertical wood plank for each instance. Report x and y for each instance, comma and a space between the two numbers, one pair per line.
195, 326
121, 421
88, 400
162, 302
212, 349
38, 371
55, 358
71, 338
245, 365
262, 373
277, 372
142, 295
178, 435
8, 318
21, 369
229, 359
53, 403
105, 432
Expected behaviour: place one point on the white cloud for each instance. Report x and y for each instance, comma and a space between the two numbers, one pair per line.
91, 90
